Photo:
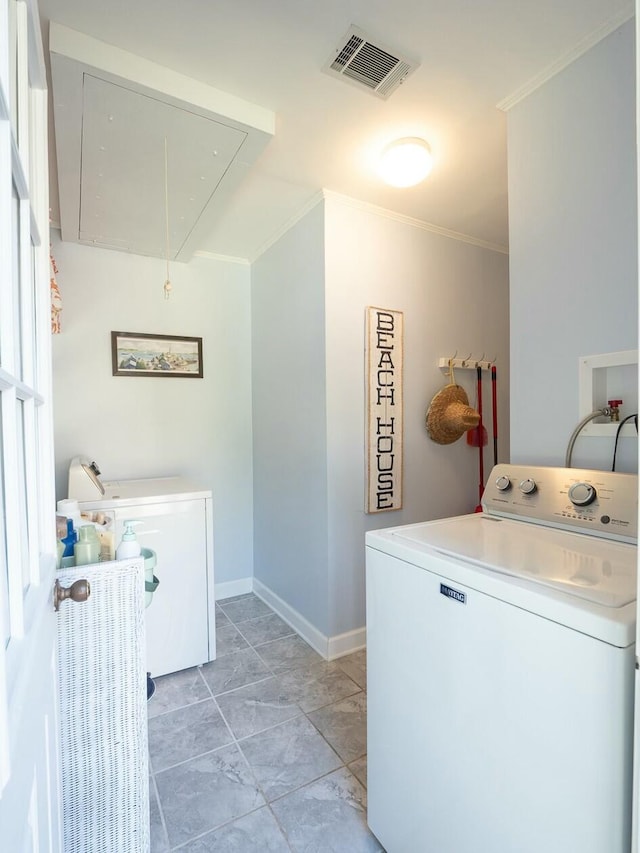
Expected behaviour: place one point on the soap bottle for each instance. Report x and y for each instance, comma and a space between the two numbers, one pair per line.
129, 545
87, 548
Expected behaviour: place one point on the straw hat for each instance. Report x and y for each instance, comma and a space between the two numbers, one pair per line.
450, 415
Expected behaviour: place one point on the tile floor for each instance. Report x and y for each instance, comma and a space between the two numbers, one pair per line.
262, 750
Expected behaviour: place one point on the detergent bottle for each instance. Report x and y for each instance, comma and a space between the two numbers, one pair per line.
87, 548
70, 539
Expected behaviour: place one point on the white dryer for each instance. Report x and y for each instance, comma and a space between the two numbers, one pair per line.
501, 670
176, 518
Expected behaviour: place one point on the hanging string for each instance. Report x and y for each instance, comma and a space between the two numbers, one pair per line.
167, 284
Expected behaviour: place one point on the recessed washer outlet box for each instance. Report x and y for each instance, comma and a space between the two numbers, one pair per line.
366, 63
605, 377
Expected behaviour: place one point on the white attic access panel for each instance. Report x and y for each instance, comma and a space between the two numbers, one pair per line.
113, 112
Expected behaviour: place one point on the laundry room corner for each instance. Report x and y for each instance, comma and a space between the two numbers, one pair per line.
137, 427
309, 467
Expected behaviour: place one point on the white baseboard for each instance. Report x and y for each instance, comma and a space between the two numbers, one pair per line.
328, 647
344, 644
316, 639
230, 588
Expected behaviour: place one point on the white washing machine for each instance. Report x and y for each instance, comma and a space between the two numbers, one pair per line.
501, 670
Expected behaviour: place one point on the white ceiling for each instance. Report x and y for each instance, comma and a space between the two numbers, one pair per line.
473, 55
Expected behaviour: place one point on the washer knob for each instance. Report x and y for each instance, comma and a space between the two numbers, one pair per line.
528, 486
582, 494
503, 483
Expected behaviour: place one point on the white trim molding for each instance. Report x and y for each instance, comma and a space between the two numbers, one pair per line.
416, 223
227, 589
315, 199
329, 647
585, 44
229, 259
345, 644
330, 195
316, 639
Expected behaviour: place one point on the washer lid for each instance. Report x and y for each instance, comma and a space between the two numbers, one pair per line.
123, 493
595, 570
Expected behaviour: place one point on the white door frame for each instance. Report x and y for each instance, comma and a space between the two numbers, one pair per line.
29, 775
635, 837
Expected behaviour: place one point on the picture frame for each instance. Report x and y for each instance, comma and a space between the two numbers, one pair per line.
144, 354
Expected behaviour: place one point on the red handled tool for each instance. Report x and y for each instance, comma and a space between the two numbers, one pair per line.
494, 401
482, 433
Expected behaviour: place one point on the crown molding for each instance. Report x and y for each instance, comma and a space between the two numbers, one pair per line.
415, 223
229, 259
585, 44
315, 199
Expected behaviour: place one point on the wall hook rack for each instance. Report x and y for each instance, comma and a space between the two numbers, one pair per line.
468, 363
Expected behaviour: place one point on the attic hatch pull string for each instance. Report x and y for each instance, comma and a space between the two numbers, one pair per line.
167, 284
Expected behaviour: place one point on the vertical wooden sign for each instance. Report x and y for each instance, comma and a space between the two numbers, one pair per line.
384, 409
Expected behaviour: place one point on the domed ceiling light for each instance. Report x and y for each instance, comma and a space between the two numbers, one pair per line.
405, 162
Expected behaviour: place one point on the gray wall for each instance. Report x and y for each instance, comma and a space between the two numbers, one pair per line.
455, 298
153, 427
289, 420
573, 246
309, 294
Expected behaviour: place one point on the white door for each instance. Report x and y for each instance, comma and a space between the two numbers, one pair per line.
29, 810
635, 842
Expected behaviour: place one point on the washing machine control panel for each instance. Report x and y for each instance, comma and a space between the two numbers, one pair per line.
528, 486
601, 503
582, 494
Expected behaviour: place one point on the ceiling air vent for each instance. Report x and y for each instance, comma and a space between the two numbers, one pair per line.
379, 69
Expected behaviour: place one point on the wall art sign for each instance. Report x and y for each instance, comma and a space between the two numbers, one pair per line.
142, 354
384, 352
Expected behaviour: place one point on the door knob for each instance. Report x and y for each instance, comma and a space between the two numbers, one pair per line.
79, 590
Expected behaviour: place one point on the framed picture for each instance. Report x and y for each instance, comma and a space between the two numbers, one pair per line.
141, 354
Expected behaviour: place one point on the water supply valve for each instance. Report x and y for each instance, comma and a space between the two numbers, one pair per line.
614, 414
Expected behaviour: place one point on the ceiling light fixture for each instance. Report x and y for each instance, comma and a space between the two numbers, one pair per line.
405, 162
